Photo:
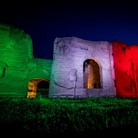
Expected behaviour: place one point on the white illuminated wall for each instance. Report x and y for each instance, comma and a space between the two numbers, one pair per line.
67, 70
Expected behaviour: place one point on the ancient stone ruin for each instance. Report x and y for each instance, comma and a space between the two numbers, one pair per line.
20, 73
80, 68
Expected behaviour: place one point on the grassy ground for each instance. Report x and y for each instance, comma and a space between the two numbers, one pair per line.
70, 117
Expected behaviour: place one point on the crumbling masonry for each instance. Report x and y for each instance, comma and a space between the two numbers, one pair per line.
80, 68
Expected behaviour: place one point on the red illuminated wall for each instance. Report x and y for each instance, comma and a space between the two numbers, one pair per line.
126, 69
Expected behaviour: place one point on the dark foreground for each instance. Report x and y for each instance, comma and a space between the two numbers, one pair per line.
128, 130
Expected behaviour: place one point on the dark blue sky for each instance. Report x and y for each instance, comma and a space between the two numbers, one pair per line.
90, 20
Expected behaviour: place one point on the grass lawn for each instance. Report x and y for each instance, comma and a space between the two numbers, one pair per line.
70, 117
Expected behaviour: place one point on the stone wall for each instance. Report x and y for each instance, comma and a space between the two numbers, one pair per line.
126, 69
80, 68
17, 64
67, 75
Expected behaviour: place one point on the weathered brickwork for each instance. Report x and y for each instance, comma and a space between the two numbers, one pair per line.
17, 64
80, 68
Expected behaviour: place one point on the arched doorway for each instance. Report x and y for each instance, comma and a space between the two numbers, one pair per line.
43, 88
91, 74
38, 88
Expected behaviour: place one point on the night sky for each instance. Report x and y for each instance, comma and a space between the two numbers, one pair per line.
89, 20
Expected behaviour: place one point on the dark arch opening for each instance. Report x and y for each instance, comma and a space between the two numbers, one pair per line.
43, 88
91, 74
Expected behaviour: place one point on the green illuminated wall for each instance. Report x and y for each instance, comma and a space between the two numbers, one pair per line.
17, 63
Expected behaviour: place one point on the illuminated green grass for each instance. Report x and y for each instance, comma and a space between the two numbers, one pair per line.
67, 116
